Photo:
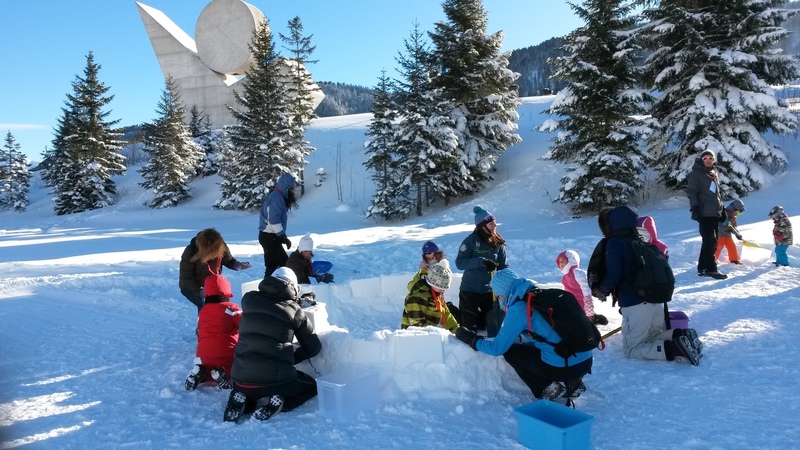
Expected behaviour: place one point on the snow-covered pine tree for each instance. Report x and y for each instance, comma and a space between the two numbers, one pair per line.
56, 159
174, 155
263, 140
92, 150
382, 152
14, 176
714, 63
301, 88
200, 129
475, 77
426, 139
597, 133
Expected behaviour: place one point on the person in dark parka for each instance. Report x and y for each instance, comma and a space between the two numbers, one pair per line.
263, 376
705, 204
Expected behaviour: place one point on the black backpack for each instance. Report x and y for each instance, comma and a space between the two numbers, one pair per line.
654, 280
562, 311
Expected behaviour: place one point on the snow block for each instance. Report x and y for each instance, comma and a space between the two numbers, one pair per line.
318, 316
548, 425
412, 346
346, 393
678, 319
250, 286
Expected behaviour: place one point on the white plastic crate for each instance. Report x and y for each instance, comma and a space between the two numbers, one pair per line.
346, 393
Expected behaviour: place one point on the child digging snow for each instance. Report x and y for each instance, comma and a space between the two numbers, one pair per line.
728, 228
782, 232
574, 282
218, 332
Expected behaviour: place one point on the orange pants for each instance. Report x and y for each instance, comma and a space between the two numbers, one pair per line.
727, 242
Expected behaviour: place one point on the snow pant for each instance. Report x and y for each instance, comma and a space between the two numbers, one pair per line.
727, 243
274, 254
781, 257
473, 308
197, 300
643, 333
537, 374
295, 392
709, 226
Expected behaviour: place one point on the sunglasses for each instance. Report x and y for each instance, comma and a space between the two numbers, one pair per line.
429, 253
708, 157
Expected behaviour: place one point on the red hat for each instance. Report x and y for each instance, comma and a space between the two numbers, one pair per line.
216, 285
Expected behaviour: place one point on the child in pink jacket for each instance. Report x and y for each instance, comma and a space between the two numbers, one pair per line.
575, 283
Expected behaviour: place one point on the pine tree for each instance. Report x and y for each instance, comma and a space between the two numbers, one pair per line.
381, 149
56, 159
425, 135
91, 153
200, 129
174, 156
300, 88
14, 176
263, 140
475, 77
598, 134
714, 63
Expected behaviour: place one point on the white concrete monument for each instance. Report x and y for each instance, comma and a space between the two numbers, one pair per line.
207, 68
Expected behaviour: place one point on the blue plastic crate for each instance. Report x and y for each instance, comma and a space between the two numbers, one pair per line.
548, 425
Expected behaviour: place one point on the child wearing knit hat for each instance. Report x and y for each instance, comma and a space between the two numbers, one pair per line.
300, 262
479, 255
425, 305
217, 334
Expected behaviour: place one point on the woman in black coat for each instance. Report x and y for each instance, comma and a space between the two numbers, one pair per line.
263, 374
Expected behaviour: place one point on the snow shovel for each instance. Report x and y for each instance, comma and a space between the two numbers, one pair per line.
751, 244
495, 316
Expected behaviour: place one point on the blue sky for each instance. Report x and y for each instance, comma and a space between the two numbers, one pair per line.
45, 43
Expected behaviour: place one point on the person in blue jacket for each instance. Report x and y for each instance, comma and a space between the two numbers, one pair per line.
536, 363
643, 334
272, 223
479, 255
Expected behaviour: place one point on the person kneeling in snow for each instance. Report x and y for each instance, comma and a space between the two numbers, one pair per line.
425, 305
217, 334
536, 363
264, 378
300, 263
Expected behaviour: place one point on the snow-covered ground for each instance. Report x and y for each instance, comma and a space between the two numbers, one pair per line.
96, 339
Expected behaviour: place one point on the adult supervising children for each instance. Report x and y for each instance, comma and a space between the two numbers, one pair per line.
272, 223
705, 204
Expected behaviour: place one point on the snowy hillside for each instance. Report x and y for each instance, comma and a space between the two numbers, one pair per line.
97, 340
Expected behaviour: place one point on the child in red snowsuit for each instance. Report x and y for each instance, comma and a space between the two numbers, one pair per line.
218, 333
575, 283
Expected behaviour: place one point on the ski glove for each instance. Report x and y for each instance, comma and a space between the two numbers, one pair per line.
241, 265
599, 295
285, 241
490, 265
468, 337
324, 278
695, 213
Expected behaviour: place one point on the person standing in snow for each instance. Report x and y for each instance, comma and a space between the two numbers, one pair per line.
705, 204
218, 332
574, 282
300, 263
545, 372
272, 223
643, 334
782, 232
480, 254
263, 376
425, 305
206, 249
728, 227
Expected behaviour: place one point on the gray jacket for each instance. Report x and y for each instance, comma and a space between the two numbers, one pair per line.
703, 192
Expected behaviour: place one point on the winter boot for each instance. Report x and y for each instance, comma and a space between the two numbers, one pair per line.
234, 407
195, 378
221, 378
553, 391
691, 335
681, 346
575, 388
268, 407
